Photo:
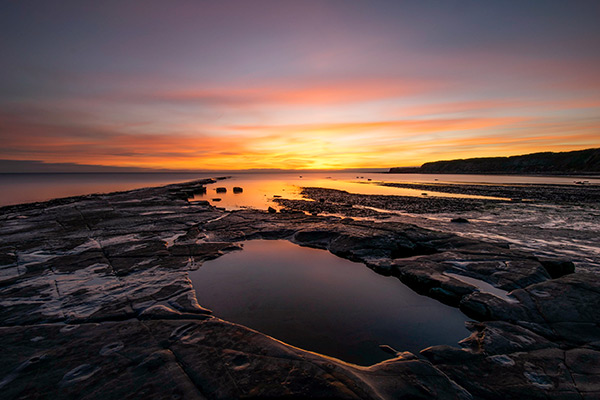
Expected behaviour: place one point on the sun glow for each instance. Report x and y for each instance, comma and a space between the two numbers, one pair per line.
305, 90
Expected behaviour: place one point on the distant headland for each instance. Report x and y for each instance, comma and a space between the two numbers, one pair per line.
581, 162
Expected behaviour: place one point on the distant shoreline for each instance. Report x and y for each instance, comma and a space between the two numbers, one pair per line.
579, 163
591, 175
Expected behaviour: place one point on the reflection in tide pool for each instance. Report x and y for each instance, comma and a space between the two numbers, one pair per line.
312, 299
260, 189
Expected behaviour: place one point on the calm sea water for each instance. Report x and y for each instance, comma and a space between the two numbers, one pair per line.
26, 188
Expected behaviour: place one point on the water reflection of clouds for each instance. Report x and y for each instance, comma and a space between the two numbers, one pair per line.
315, 300
260, 189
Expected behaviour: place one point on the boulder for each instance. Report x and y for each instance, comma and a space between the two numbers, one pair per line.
460, 220
557, 267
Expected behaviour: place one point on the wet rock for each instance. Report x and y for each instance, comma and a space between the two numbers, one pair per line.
418, 205
557, 267
102, 279
199, 190
271, 210
487, 307
460, 220
237, 189
583, 361
111, 348
450, 297
388, 349
498, 337
159, 311
221, 190
251, 365
78, 374
444, 354
537, 374
554, 194
315, 238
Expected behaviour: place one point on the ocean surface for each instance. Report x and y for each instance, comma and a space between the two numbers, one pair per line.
33, 187
545, 229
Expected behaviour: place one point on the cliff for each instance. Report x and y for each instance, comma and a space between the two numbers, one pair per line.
564, 163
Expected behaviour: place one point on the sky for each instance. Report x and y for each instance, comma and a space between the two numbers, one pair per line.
295, 84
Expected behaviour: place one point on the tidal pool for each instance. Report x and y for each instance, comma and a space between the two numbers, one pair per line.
311, 299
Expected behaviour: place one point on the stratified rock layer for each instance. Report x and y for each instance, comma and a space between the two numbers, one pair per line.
96, 303
563, 163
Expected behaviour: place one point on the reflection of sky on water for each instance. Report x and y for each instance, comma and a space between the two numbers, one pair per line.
550, 230
25, 187
317, 301
259, 189
28, 188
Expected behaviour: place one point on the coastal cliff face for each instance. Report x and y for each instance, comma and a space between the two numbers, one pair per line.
572, 162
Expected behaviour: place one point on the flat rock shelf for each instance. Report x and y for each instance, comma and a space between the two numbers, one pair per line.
96, 302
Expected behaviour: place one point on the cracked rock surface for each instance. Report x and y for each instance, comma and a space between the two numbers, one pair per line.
95, 302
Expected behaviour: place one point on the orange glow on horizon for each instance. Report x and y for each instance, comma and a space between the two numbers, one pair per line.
380, 144
295, 85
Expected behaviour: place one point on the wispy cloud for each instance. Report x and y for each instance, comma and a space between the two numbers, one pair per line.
312, 92
334, 145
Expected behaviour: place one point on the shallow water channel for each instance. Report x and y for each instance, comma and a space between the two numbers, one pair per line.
314, 300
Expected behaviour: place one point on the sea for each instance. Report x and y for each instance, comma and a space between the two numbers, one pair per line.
544, 229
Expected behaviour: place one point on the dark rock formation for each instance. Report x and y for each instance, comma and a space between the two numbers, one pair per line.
564, 163
95, 302
460, 220
557, 267
555, 194
237, 189
360, 205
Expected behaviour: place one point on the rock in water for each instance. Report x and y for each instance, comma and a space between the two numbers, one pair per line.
557, 267
221, 190
237, 189
460, 220
388, 349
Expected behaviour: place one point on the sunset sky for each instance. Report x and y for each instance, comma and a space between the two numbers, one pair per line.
295, 84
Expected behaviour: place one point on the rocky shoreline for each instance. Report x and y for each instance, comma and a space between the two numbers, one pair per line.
96, 303
358, 205
555, 194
